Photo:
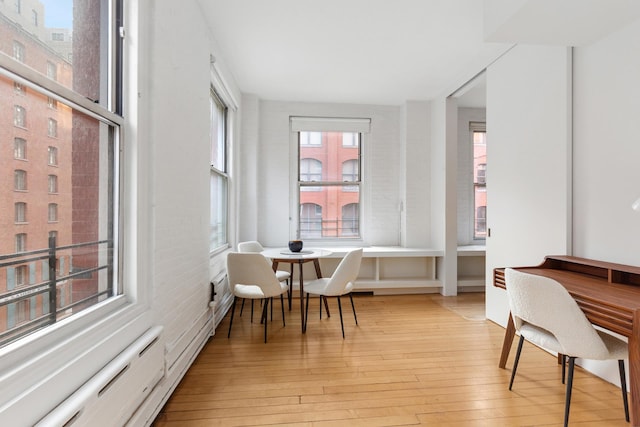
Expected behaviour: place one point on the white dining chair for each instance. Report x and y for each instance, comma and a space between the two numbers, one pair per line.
253, 246
251, 277
545, 314
340, 283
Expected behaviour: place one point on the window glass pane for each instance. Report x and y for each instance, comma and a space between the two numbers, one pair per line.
218, 236
218, 133
19, 148
79, 195
480, 184
65, 43
218, 223
329, 183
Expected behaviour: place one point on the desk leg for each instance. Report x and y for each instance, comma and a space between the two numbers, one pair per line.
509, 333
634, 370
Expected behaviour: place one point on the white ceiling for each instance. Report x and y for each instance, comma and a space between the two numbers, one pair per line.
383, 52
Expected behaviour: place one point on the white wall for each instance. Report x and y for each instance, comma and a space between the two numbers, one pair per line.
606, 148
415, 170
381, 164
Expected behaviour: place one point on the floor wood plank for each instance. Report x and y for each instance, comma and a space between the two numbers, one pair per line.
413, 359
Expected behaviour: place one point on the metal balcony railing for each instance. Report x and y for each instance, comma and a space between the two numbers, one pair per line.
327, 228
52, 307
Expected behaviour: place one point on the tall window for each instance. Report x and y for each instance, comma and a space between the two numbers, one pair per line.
479, 138
53, 212
20, 180
18, 51
53, 156
86, 185
19, 148
19, 116
219, 174
21, 242
52, 128
20, 212
329, 177
52, 70
53, 183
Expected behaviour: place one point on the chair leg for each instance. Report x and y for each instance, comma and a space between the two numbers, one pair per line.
281, 305
623, 387
272, 309
354, 308
242, 307
326, 305
265, 311
290, 292
306, 315
340, 310
233, 309
251, 311
567, 404
564, 366
516, 360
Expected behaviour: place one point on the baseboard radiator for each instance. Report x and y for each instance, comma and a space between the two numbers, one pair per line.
112, 396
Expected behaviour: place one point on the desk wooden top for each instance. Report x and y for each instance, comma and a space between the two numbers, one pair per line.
608, 293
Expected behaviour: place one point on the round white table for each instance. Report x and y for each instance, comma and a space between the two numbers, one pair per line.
279, 255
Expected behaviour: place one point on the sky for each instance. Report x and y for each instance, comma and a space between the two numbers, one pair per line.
58, 13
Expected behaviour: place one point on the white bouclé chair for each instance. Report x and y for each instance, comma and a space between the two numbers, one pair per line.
545, 314
340, 283
251, 277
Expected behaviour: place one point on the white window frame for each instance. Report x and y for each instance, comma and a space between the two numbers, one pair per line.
20, 212
221, 91
474, 127
19, 148
117, 322
329, 124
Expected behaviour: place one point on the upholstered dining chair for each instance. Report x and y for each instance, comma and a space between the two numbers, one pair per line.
254, 246
545, 314
340, 283
251, 277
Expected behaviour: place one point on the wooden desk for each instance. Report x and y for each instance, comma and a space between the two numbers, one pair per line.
609, 294
284, 255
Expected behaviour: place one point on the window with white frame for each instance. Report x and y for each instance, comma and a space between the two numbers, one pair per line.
19, 116
479, 139
20, 212
52, 70
219, 181
18, 51
329, 178
53, 156
53, 212
87, 186
21, 242
52, 184
52, 128
20, 180
19, 148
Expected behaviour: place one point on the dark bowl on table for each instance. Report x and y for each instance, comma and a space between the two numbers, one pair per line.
295, 245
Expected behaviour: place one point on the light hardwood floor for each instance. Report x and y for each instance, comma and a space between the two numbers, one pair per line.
413, 359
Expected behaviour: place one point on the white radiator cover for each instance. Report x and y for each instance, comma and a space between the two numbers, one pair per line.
112, 396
